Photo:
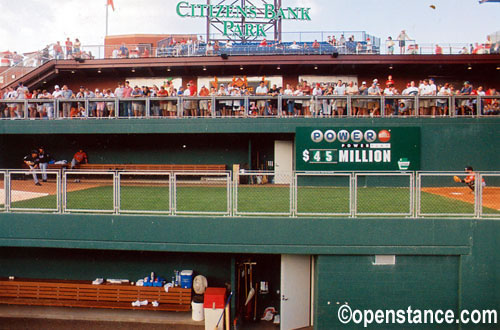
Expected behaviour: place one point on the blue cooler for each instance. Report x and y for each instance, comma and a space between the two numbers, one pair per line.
186, 279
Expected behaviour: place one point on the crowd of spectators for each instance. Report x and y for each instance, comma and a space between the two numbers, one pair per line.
70, 50
303, 99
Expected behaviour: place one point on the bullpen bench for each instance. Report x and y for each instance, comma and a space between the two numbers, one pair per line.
154, 167
142, 167
62, 293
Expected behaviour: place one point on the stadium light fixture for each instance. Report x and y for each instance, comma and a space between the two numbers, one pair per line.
241, 67
278, 68
498, 67
168, 69
72, 71
133, 70
315, 67
204, 68
99, 71
391, 67
469, 67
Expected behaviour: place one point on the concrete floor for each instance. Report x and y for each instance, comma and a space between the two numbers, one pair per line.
13, 317
39, 317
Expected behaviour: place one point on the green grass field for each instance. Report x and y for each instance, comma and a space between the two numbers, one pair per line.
252, 199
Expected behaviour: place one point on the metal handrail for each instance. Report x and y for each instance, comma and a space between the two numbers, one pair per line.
475, 105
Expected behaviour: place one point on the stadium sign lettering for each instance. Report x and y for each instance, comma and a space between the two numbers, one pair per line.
356, 148
225, 13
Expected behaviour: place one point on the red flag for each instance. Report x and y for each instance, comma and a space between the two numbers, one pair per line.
110, 3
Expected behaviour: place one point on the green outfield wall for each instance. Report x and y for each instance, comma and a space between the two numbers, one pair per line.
440, 263
446, 143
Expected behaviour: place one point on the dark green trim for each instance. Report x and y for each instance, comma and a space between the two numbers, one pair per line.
239, 235
215, 125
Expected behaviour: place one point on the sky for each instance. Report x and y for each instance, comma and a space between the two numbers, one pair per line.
40, 22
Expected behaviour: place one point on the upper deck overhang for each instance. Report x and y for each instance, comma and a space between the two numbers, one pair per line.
261, 65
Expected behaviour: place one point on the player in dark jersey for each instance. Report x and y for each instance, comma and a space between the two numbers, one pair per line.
44, 159
33, 162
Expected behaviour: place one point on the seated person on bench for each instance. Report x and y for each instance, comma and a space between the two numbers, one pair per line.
79, 158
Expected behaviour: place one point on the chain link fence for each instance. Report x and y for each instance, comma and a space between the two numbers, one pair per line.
383, 194
323, 194
33, 190
490, 195
202, 193
439, 195
144, 192
93, 192
263, 193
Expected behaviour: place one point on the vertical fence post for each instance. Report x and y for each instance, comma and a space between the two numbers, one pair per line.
7, 190
353, 186
116, 192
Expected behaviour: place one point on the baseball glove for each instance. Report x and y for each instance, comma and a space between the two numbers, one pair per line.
456, 179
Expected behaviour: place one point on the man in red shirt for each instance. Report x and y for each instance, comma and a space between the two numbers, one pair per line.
69, 48
163, 104
58, 51
79, 158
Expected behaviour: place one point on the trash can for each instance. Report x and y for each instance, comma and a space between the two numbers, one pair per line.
215, 299
198, 314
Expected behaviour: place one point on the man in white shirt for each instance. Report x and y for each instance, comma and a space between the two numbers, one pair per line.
408, 104
433, 92
339, 105
425, 104
374, 104
260, 91
442, 104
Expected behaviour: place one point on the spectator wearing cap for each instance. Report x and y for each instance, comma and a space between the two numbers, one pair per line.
374, 104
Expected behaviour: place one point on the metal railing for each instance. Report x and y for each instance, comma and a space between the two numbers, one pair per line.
251, 193
252, 106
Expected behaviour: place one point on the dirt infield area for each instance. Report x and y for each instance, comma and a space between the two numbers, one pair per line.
26, 189
491, 195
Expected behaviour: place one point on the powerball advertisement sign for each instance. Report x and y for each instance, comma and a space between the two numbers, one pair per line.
377, 148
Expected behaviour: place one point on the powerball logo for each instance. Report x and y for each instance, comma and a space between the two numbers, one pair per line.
355, 136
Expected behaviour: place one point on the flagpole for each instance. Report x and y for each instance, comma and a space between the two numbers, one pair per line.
107, 5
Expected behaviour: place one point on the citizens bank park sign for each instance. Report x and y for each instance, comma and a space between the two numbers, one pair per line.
357, 149
252, 16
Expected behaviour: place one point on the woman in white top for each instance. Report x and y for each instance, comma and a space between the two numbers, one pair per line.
289, 102
316, 104
100, 105
298, 103
110, 105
